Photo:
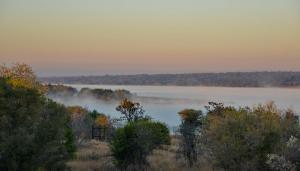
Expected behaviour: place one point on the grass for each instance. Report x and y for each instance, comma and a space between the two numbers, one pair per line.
92, 156
96, 156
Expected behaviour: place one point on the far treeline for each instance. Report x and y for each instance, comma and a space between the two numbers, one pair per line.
230, 79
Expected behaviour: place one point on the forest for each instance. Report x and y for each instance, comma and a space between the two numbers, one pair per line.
230, 79
40, 134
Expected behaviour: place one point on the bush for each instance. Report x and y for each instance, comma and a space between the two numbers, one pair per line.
34, 132
242, 139
132, 143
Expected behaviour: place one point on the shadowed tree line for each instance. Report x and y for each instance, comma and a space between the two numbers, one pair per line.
230, 79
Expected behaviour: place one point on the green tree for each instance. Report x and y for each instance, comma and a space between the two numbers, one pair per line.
54, 139
135, 141
34, 131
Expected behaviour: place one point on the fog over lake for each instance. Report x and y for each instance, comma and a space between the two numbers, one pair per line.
164, 102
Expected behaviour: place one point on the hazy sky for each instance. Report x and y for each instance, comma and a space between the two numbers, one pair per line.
69, 37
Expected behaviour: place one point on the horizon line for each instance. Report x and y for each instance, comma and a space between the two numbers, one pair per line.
183, 73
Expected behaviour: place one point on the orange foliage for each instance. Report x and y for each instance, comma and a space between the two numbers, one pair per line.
127, 104
77, 112
189, 114
102, 121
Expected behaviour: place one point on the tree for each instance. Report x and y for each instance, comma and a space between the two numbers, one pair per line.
35, 132
135, 141
190, 129
54, 138
132, 111
21, 75
102, 121
93, 114
81, 123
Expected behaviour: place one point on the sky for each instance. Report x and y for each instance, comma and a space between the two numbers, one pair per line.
97, 37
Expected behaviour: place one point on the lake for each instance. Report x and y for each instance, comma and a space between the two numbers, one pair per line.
164, 102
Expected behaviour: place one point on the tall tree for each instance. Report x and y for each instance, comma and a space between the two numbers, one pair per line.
191, 121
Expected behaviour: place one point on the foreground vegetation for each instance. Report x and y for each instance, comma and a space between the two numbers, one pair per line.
39, 134
96, 156
35, 132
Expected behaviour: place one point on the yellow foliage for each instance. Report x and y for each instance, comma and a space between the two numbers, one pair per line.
102, 121
127, 104
21, 75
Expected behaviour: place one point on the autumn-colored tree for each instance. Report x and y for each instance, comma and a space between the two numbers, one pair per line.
18, 71
102, 121
21, 75
77, 112
131, 111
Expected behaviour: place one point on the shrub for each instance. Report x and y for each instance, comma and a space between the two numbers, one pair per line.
132, 143
242, 139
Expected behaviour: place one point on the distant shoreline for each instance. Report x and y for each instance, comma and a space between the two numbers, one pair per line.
82, 84
232, 79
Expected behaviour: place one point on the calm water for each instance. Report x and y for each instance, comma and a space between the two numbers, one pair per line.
167, 101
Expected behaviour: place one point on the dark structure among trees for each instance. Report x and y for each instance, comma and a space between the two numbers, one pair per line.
99, 133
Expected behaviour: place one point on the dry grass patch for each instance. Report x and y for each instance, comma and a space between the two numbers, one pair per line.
92, 156
96, 156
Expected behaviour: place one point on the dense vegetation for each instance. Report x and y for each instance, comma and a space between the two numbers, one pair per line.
105, 94
62, 91
35, 132
135, 141
138, 138
82, 121
39, 134
249, 138
231, 79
